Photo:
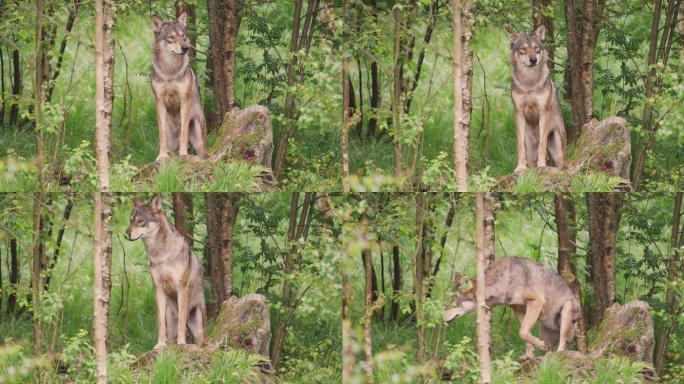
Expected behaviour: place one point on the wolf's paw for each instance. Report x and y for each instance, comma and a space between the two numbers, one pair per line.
162, 157
159, 346
520, 168
190, 158
524, 358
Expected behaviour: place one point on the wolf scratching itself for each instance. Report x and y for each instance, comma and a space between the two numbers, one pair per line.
180, 118
535, 293
176, 273
538, 120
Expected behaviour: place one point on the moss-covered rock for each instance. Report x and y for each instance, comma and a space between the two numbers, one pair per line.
603, 150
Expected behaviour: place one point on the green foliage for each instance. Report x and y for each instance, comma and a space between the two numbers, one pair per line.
462, 360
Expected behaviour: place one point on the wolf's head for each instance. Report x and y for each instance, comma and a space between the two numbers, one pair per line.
171, 37
144, 220
464, 300
527, 49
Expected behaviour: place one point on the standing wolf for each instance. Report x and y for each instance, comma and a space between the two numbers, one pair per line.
179, 109
176, 273
538, 120
535, 293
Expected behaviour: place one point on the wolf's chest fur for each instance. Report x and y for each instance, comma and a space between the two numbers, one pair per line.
170, 92
532, 103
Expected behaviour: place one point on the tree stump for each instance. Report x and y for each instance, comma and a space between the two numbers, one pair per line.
626, 331
243, 323
245, 135
604, 147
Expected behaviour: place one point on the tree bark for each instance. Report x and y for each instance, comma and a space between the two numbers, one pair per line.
419, 273
368, 313
658, 51
224, 25
566, 256
103, 280
396, 283
16, 88
463, 21
182, 207
2, 87
427, 37
397, 89
229, 211
671, 308
485, 254
346, 121
104, 87
297, 229
214, 262
348, 354
14, 275
604, 221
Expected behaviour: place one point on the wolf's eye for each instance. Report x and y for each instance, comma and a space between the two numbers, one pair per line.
522, 50
536, 49
170, 38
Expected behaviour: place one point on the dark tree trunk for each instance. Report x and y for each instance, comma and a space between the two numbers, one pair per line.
427, 37
62, 46
565, 228
604, 221
214, 269
189, 9
16, 88
183, 215
2, 87
396, 283
14, 275
224, 25
442, 241
671, 307
419, 282
58, 242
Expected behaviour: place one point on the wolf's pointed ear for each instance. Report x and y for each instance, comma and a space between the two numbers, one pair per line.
182, 19
157, 24
137, 202
540, 32
512, 34
156, 204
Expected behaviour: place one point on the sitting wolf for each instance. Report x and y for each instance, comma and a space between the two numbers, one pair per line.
535, 293
176, 273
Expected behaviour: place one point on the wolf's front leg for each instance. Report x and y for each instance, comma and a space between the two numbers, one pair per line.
543, 137
185, 115
520, 127
161, 318
162, 125
182, 314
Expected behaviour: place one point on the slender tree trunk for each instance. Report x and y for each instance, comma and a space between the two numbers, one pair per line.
14, 275
62, 47
442, 241
658, 52
16, 88
427, 37
368, 313
286, 296
673, 274
346, 122
104, 100
289, 96
419, 285
463, 21
566, 265
182, 207
214, 261
485, 254
396, 283
2, 87
397, 85
229, 212
348, 354
58, 242
103, 281
604, 219
224, 25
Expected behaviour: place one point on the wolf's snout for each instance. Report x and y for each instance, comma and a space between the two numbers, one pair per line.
128, 234
184, 48
533, 60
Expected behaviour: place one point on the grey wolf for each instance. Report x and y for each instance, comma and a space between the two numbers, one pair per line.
538, 120
535, 293
180, 118
176, 273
